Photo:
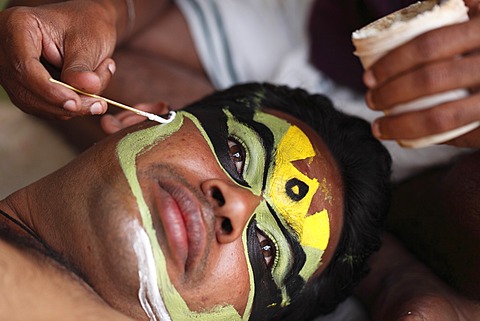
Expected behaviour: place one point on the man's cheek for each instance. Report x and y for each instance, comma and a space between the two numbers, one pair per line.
227, 279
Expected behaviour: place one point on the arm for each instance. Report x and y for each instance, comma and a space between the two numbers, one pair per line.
401, 288
76, 39
440, 60
437, 216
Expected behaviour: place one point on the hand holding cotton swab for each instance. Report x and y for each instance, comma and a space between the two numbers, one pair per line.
171, 114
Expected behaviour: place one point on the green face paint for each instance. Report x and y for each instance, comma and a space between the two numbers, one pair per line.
128, 149
290, 193
299, 237
272, 145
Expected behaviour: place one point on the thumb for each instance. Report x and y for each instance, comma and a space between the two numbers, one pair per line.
86, 73
91, 81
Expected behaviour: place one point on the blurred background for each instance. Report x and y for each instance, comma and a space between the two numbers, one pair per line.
28, 148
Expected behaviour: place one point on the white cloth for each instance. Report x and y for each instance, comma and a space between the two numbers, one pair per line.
245, 40
266, 40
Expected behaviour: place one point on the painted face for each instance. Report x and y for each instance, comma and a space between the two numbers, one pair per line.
286, 234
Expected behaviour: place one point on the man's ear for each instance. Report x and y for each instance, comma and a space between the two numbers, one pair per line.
113, 123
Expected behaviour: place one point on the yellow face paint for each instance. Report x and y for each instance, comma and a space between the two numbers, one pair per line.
316, 230
292, 192
287, 192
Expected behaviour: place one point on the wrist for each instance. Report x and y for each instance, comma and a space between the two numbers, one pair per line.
123, 16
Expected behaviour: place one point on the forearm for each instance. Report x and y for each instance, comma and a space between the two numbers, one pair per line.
401, 288
129, 15
437, 215
134, 15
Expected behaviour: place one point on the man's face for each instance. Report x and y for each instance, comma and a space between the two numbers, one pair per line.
239, 209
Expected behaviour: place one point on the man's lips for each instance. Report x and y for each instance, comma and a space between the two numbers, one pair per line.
182, 222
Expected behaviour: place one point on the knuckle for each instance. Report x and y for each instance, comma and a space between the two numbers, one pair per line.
18, 19
430, 78
445, 120
427, 45
383, 69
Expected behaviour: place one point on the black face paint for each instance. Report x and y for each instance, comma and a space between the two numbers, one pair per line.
296, 189
268, 298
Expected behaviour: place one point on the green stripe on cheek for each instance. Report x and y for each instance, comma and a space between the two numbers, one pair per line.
128, 149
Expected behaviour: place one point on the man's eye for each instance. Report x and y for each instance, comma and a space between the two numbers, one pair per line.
268, 249
237, 154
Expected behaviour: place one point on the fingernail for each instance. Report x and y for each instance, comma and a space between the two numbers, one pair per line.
369, 100
369, 79
376, 130
96, 108
112, 68
70, 105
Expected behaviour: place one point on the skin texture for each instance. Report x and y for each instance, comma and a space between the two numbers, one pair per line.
51, 292
96, 241
415, 293
443, 206
440, 60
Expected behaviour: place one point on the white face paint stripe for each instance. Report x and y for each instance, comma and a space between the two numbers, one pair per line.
148, 292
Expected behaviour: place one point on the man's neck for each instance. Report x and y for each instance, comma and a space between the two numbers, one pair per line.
17, 206
18, 234
16, 227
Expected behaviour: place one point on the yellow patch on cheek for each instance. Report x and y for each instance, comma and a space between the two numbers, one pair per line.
316, 231
292, 192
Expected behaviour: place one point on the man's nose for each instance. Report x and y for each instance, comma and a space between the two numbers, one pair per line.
233, 206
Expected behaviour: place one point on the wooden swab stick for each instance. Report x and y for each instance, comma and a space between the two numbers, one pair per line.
171, 114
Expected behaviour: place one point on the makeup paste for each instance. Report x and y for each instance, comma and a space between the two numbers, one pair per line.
148, 293
128, 149
272, 146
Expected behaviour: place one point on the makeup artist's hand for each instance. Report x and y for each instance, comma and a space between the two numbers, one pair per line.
441, 60
111, 123
75, 39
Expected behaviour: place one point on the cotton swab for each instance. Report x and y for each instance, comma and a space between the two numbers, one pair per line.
171, 114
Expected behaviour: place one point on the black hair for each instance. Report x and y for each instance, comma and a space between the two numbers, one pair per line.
365, 168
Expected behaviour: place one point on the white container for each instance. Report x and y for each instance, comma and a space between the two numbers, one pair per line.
376, 39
